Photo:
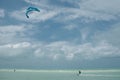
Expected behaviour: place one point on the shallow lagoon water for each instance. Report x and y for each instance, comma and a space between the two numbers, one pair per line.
59, 75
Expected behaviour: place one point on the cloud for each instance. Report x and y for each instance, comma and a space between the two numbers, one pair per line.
111, 35
2, 13
18, 45
61, 50
88, 16
86, 11
92, 10
84, 33
11, 50
103, 45
70, 27
102, 6
54, 3
101, 10
12, 33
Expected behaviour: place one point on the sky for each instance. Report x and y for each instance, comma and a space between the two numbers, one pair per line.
65, 34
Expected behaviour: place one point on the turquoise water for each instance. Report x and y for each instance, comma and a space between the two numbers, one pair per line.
59, 75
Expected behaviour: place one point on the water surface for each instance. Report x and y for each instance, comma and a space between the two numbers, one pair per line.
59, 75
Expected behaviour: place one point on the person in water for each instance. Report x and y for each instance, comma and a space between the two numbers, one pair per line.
14, 70
79, 72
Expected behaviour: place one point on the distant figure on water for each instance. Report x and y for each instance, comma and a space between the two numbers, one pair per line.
14, 70
79, 72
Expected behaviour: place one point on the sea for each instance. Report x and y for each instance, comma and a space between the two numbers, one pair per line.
23, 74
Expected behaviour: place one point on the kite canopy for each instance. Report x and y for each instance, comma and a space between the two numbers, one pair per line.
30, 9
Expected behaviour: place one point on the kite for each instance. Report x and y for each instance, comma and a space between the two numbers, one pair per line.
30, 9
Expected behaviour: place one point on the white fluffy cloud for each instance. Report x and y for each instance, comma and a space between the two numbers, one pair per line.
12, 32
61, 49
15, 49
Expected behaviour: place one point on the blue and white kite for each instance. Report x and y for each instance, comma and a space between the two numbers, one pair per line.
30, 9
